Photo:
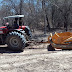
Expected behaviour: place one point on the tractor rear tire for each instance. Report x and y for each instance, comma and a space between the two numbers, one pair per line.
16, 41
50, 48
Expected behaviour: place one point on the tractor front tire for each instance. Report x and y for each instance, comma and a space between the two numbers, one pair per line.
15, 41
50, 48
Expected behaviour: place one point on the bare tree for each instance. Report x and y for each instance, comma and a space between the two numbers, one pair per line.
21, 6
40, 14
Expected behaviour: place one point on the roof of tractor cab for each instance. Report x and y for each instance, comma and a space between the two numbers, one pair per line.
15, 16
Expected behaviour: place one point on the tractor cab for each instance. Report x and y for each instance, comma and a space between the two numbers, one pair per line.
13, 22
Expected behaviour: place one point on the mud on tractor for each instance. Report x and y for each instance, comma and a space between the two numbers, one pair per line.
14, 34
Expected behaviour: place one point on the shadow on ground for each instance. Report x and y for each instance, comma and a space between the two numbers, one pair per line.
35, 48
7, 50
59, 49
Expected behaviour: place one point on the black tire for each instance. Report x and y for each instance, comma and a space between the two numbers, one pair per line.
50, 48
15, 41
28, 33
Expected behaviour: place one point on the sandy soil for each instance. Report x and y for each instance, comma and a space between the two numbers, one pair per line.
35, 58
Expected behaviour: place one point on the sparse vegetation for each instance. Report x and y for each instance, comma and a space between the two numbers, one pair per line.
40, 14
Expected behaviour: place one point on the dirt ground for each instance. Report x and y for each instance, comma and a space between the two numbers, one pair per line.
35, 58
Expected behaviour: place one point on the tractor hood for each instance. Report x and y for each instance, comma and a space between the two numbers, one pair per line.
2, 27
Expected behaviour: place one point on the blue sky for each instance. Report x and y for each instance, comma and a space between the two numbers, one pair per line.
0, 0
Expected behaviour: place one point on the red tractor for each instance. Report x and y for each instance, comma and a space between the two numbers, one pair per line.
13, 35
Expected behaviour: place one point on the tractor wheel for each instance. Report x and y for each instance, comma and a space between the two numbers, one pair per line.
50, 48
15, 41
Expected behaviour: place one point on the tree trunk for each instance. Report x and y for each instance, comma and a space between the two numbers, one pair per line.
21, 3
46, 22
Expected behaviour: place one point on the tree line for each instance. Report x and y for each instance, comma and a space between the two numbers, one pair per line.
40, 14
